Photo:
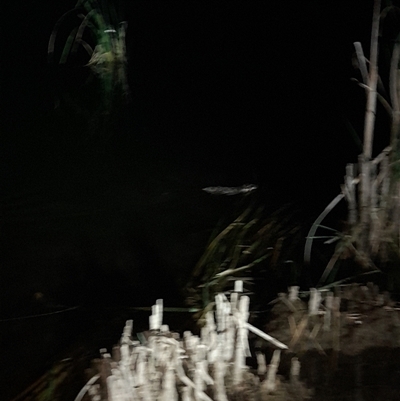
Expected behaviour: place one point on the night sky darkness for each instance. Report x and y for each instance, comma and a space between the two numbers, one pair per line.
223, 93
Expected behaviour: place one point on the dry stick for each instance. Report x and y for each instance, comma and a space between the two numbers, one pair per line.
381, 184
395, 129
372, 83
386, 105
314, 227
299, 331
331, 264
379, 190
313, 335
287, 302
369, 130
362, 65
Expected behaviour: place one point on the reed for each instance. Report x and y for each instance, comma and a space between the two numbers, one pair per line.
372, 186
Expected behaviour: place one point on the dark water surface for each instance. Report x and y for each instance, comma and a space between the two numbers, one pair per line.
32, 347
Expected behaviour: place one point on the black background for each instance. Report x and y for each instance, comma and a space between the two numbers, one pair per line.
223, 93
